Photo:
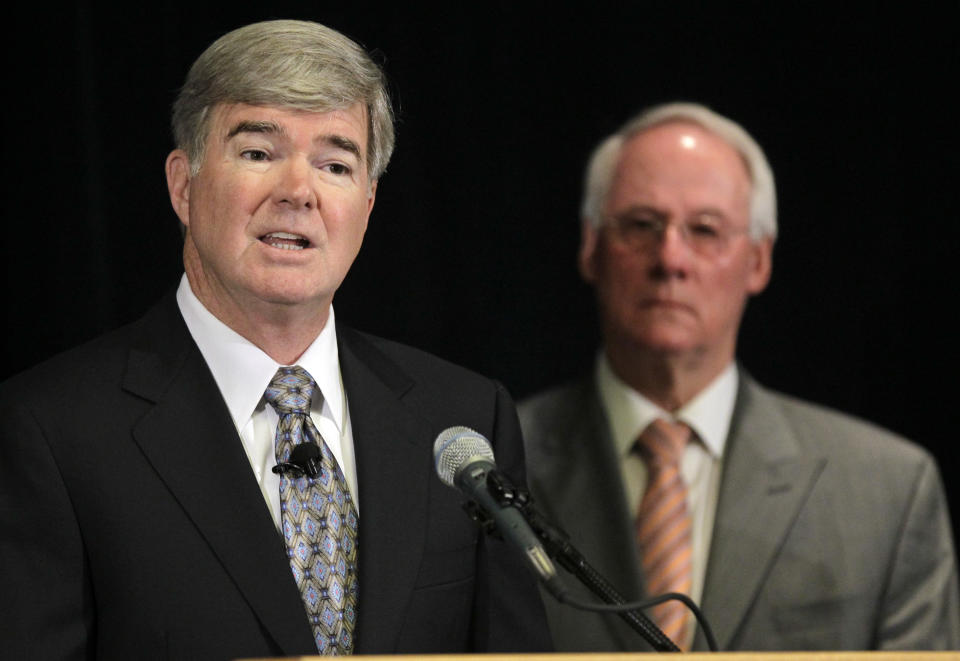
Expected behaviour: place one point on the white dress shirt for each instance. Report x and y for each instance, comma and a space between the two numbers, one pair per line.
708, 415
243, 371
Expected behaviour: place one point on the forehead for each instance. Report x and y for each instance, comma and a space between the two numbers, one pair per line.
680, 157
290, 123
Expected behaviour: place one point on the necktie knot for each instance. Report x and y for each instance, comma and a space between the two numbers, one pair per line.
291, 390
662, 443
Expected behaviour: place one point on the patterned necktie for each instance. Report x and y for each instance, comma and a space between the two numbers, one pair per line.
319, 519
663, 524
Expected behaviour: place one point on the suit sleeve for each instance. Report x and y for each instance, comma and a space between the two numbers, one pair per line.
508, 612
920, 609
46, 610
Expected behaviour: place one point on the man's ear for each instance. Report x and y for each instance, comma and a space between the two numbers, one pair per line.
586, 257
373, 196
178, 184
762, 266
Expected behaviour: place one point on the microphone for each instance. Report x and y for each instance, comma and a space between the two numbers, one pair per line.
464, 461
304, 460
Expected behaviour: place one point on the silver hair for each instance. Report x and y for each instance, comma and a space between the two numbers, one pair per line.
290, 64
603, 161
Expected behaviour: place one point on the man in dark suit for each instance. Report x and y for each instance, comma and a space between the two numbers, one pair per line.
139, 512
794, 526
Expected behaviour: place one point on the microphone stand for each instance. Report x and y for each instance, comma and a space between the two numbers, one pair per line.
558, 546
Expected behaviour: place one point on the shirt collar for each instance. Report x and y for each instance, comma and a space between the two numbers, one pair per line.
708, 414
243, 371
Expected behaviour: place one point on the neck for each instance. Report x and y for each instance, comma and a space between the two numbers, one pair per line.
669, 380
284, 342
283, 332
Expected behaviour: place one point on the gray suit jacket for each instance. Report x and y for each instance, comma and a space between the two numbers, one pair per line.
830, 533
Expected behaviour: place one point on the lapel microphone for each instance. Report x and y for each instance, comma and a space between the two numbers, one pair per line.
304, 460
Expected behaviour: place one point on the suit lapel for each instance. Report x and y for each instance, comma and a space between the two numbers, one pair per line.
393, 450
766, 480
190, 440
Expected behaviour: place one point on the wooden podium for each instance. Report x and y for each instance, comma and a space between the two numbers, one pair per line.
634, 656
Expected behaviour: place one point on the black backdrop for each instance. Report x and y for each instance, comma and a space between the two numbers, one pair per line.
470, 251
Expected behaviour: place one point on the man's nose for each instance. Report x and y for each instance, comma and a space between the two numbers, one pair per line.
295, 184
673, 250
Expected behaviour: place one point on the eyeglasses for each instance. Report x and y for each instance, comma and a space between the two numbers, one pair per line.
706, 234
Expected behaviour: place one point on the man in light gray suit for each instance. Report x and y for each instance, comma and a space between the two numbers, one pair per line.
802, 528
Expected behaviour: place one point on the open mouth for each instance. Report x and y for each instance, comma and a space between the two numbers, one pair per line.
285, 241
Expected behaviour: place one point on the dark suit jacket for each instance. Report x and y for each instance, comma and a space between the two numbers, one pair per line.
830, 533
133, 527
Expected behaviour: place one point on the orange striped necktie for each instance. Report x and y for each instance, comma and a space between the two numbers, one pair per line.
663, 525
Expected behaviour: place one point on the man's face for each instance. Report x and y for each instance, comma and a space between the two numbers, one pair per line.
667, 297
277, 212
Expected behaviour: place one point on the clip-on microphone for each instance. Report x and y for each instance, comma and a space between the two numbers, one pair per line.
304, 460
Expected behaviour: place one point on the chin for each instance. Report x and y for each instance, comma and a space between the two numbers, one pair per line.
290, 296
668, 347
661, 342
666, 333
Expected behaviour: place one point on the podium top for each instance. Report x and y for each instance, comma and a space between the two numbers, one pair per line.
634, 656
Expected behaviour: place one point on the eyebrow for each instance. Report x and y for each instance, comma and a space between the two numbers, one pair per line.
249, 126
346, 144
636, 209
643, 208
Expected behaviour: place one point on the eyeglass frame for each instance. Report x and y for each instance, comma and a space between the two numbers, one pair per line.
659, 224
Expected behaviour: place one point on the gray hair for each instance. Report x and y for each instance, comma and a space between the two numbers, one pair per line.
604, 159
291, 64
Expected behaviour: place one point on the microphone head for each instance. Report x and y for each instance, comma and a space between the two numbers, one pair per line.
456, 447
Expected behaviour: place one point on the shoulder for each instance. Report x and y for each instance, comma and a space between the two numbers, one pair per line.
438, 390
380, 374
83, 373
556, 407
857, 450
397, 363
561, 424
556, 398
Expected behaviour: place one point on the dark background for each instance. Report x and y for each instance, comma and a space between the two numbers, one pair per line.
470, 251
